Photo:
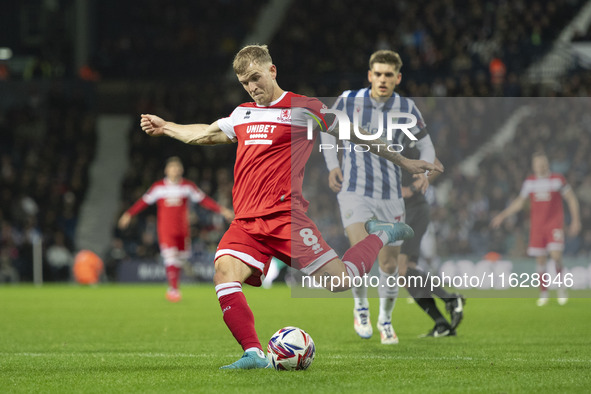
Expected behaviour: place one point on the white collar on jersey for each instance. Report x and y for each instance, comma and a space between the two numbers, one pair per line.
379, 104
273, 102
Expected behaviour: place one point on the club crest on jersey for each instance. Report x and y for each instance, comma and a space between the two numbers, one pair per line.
285, 115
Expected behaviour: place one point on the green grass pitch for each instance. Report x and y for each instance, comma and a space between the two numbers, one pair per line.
124, 338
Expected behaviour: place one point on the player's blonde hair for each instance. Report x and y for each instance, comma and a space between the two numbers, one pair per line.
257, 54
386, 56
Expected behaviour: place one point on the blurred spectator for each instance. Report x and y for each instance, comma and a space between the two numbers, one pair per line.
7, 271
113, 257
59, 258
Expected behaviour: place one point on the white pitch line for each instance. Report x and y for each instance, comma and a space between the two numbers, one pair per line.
331, 357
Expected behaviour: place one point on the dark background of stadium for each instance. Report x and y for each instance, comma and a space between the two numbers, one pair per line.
73, 61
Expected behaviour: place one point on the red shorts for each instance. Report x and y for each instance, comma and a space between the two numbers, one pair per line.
174, 248
290, 236
542, 240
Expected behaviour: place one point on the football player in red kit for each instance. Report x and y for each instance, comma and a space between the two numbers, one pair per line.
271, 219
172, 195
545, 190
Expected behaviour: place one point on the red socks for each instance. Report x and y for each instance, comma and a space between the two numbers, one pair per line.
237, 314
173, 274
360, 258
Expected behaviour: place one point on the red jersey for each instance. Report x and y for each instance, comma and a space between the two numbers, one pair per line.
172, 203
545, 196
273, 148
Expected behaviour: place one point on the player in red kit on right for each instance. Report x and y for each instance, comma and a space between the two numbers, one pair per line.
545, 190
273, 148
172, 195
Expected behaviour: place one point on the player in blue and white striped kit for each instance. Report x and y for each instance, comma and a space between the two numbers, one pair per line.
369, 186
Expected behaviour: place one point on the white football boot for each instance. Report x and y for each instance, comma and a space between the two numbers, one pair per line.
387, 333
361, 323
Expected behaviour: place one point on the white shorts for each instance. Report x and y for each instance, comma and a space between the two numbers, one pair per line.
359, 209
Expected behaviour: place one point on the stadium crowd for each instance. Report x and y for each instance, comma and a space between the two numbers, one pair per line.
46, 143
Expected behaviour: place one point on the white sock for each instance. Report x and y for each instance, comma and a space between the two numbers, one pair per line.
360, 297
383, 237
255, 349
388, 292
272, 274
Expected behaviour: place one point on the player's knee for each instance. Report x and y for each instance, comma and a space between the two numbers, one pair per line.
222, 272
335, 283
389, 266
230, 269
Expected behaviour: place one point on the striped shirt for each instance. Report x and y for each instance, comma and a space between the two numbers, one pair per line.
365, 173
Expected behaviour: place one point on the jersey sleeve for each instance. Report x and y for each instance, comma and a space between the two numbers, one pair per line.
151, 196
227, 126
146, 200
196, 195
136, 208
525, 189
420, 130
210, 203
425, 146
564, 186
325, 122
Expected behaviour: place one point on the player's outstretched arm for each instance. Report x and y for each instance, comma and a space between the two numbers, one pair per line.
409, 165
228, 214
194, 134
575, 215
124, 220
515, 206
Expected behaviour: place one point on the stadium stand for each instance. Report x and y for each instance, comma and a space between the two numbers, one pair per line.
177, 57
47, 143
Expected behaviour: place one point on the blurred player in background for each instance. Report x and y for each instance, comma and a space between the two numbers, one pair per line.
172, 195
545, 190
271, 220
369, 186
417, 216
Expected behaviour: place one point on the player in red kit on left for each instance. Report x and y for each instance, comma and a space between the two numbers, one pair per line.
172, 195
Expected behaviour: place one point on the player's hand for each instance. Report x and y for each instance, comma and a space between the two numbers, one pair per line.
420, 166
574, 228
335, 180
227, 214
152, 125
420, 184
124, 221
497, 221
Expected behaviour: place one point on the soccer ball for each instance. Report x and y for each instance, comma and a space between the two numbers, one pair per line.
290, 349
